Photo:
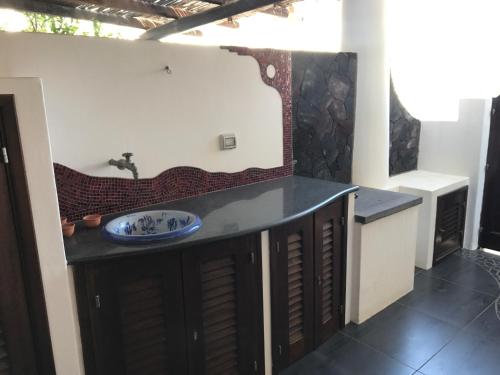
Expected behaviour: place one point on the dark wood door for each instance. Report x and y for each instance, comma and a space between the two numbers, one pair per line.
292, 291
328, 270
489, 235
16, 341
132, 320
223, 294
25, 346
450, 222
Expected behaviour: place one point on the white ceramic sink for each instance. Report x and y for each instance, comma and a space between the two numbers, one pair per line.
152, 226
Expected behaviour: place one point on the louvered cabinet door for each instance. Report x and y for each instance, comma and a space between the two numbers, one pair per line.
292, 291
137, 314
450, 222
328, 241
223, 293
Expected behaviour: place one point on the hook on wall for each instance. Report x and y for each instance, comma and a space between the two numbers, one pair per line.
167, 69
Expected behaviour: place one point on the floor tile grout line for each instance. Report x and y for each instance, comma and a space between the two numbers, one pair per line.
457, 334
469, 262
462, 286
460, 329
378, 350
436, 317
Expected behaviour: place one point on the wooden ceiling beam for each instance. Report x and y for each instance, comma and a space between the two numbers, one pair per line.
212, 15
216, 2
278, 11
138, 7
144, 8
59, 9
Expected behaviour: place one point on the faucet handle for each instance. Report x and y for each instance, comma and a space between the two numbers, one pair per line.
127, 155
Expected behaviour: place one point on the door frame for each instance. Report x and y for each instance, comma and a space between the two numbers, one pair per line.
28, 251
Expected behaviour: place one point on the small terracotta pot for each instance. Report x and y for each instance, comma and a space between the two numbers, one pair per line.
64, 220
92, 221
68, 229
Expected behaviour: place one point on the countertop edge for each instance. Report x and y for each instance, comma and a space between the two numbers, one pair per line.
367, 219
173, 247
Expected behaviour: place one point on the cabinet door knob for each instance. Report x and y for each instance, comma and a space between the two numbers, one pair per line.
195, 335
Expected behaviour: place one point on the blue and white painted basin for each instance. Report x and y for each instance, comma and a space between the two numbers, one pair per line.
152, 226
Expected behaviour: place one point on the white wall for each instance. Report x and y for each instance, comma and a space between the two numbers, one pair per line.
386, 244
364, 32
459, 148
56, 277
105, 97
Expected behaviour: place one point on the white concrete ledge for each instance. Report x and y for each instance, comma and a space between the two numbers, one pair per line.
383, 260
429, 186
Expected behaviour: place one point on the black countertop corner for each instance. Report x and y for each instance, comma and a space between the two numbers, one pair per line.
374, 204
224, 214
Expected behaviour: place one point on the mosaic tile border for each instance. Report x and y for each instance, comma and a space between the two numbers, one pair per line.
489, 263
282, 82
80, 194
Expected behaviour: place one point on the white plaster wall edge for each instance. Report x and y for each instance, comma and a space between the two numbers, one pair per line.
56, 277
266, 301
364, 32
352, 260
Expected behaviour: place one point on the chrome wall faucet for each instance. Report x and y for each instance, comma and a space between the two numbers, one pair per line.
125, 164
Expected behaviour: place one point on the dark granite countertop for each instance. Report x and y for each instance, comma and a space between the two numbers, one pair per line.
225, 214
374, 204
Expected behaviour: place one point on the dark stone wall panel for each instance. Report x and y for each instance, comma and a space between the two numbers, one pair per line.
323, 108
404, 138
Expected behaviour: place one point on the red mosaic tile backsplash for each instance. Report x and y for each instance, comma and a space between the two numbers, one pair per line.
80, 194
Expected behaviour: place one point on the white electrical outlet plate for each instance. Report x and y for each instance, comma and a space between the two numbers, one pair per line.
227, 141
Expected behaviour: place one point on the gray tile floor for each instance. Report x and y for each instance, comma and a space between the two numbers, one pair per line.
448, 325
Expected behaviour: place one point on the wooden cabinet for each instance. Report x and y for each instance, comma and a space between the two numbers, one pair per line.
329, 238
292, 304
450, 223
198, 311
307, 283
134, 316
223, 299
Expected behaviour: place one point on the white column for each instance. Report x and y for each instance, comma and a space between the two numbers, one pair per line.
364, 32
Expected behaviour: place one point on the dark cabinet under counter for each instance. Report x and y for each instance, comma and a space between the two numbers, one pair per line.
450, 223
199, 312
131, 314
292, 291
307, 260
223, 299
195, 305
